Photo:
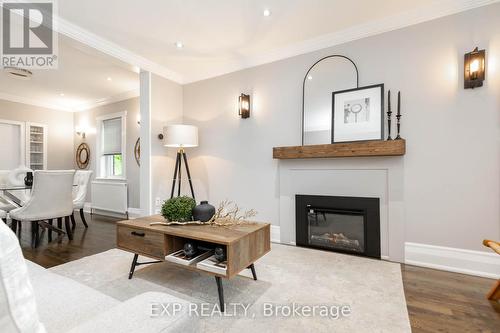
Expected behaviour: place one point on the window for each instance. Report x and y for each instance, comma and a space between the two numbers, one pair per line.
111, 145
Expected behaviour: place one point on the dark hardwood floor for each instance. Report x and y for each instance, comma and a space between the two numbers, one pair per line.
99, 237
437, 301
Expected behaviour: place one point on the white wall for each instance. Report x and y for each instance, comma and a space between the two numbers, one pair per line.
60, 130
452, 165
166, 107
88, 117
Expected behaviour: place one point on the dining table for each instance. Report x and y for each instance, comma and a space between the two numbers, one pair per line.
8, 193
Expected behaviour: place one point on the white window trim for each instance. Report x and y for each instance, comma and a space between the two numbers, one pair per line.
22, 138
99, 167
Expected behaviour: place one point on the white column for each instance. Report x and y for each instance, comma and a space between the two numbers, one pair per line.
145, 134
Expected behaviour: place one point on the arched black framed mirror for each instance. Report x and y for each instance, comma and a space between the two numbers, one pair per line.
137, 151
328, 74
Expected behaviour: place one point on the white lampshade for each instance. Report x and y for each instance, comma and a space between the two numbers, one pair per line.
180, 136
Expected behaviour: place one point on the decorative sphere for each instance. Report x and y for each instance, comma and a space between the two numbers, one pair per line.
189, 249
220, 253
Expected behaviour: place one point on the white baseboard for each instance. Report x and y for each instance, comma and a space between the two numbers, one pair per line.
275, 234
453, 260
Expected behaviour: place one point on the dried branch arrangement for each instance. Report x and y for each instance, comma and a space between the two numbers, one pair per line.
227, 214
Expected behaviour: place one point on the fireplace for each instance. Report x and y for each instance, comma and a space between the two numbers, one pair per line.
340, 224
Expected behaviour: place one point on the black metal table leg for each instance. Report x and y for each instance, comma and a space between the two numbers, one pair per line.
135, 264
221, 292
252, 268
132, 268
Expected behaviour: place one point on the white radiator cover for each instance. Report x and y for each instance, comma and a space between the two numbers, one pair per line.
110, 196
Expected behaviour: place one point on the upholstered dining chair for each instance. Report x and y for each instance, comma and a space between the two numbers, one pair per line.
82, 181
14, 177
51, 198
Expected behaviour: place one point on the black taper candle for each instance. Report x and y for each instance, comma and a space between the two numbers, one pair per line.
389, 114
398, 116
399, 103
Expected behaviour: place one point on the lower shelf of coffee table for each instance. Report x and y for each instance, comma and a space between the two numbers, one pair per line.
193, 267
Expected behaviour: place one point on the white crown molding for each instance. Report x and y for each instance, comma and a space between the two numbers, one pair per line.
453, 260
31, 101
420, 15
86, 37
376, 27
109, 100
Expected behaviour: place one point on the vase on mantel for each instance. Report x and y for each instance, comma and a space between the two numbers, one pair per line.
203, 212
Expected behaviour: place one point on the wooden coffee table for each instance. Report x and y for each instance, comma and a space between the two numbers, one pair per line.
244, 243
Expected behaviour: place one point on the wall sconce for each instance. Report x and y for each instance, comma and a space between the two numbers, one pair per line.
80, 131
244, 106
474, 68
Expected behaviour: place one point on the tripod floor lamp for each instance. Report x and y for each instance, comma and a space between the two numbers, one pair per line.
180, 137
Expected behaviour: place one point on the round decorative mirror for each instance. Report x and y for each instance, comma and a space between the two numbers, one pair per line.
83, 156
329, 74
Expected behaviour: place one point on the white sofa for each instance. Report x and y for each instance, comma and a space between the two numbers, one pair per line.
65, 305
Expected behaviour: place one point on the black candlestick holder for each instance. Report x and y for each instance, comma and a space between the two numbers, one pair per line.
398, 117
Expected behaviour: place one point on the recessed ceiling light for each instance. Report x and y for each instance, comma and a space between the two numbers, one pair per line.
179, 45
61, 94
109, 79
266, 12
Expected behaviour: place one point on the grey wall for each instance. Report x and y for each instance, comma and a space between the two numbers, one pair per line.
452, 165
60, 130
89, 116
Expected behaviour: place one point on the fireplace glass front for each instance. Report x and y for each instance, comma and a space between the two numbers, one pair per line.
336, 229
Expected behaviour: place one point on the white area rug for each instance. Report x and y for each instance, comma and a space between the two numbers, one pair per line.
372, 289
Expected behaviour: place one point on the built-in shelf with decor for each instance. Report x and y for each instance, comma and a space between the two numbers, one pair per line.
347, 149
36, 152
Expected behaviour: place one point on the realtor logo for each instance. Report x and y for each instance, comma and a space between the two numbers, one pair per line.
28, 37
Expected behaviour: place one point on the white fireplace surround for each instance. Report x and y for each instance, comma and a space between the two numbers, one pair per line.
381, 178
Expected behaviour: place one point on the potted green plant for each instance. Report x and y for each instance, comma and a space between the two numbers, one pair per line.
178, 209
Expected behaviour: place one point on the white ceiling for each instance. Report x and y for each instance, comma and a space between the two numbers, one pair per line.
221, 36
82, 76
